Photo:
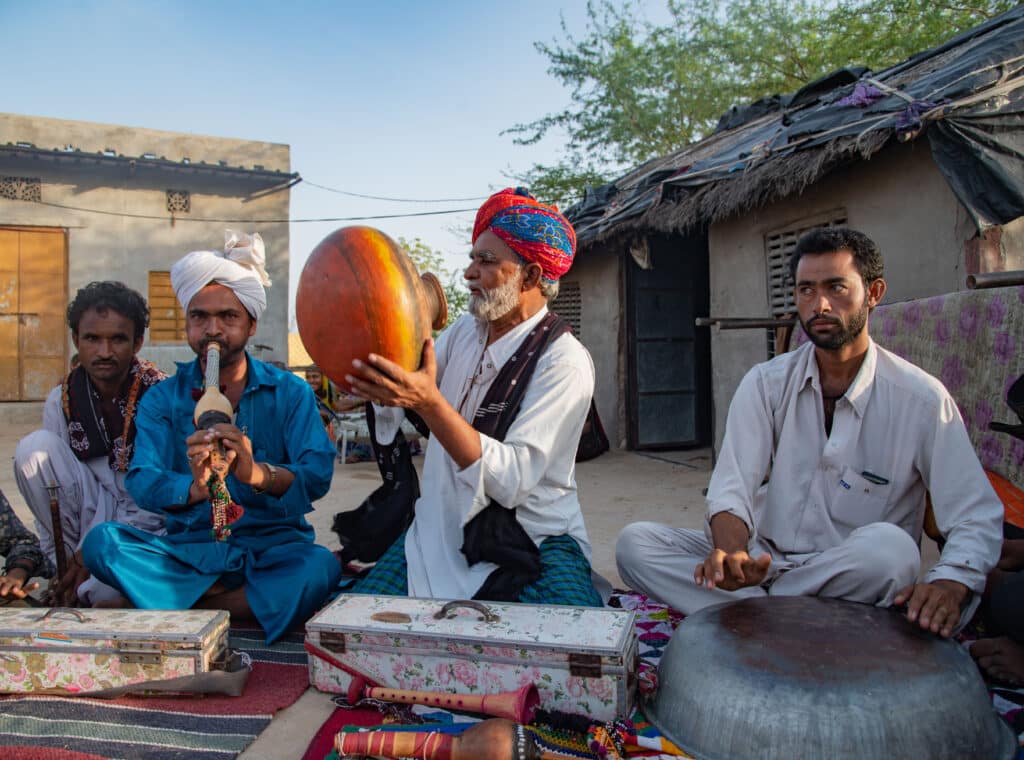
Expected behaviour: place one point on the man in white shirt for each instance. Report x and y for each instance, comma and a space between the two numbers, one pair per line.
852, 437
88, 435
505, 393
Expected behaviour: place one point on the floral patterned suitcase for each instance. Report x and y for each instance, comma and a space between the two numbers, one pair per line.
73, 651
583, 660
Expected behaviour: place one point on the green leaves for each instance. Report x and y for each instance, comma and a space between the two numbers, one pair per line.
640, 90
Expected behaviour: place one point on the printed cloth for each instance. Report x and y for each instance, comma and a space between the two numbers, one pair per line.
537, 232
94, 431
18, 543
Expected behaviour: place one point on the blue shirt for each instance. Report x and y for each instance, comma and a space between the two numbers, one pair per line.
277, 412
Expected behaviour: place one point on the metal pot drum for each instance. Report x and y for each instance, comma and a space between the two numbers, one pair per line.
805, 677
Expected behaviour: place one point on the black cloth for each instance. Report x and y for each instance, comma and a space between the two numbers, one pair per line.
495, 535
367, 531
593, 439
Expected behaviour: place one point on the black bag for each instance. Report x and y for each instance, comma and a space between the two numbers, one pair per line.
367, 531
593, 441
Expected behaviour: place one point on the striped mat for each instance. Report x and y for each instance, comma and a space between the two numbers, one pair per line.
159, 728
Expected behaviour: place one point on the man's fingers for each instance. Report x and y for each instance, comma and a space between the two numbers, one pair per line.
735, 564
378, 369
429, 362
383, 365
903, 595
930, 610
698, 574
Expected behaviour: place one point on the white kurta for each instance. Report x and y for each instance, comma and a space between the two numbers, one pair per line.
90, 492
533, 469
842, 513
895, 423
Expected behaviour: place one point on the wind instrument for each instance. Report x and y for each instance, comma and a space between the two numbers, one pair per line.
212, 409
493, 739
517, 706
57, 528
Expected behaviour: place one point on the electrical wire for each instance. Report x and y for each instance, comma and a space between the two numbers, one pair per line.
177, 218
394, 200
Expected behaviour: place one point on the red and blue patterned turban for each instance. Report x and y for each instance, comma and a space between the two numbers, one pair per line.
537, 232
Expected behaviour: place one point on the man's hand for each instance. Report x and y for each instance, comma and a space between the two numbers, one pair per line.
12, 585
199, 448
64, 591
384, 382
934, 606
238, 454
731, 570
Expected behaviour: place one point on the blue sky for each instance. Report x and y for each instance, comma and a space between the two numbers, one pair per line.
391, 98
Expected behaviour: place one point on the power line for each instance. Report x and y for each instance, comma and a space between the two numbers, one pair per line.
395, 200
176, 218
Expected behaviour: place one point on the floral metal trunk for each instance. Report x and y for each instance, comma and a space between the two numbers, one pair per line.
583, 660
76, 651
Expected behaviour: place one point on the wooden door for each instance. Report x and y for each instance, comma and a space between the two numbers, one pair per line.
33, 301
669, 360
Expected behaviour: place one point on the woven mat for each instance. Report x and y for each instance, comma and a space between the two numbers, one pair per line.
159, 728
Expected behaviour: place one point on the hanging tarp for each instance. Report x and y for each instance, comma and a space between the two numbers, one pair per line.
965, 95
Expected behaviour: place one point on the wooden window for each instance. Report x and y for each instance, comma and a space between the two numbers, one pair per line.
568, 305
778, 248
166, 318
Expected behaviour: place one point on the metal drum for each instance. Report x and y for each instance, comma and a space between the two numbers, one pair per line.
805, 677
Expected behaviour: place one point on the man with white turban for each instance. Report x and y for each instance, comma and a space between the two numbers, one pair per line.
265, 564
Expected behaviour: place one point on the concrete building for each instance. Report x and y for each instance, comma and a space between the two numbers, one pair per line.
82, 202
924, 157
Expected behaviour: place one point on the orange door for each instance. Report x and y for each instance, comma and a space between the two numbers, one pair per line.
33, 300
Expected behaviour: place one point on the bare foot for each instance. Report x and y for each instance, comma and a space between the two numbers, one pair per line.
1000, 658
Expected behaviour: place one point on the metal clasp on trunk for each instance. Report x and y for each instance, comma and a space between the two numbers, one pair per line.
140, 652
332, 641
585, 665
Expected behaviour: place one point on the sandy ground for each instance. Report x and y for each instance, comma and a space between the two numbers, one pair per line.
616, 488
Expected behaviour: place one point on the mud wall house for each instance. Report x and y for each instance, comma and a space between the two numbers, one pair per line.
82, 202
926, 157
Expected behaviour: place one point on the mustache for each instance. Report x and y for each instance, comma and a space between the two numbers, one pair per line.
823, 318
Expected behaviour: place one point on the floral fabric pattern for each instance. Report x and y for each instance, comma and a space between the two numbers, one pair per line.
63, 654
468, 655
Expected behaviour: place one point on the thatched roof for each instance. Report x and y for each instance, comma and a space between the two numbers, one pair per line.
966, 96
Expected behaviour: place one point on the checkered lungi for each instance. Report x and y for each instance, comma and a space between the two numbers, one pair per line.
564, 576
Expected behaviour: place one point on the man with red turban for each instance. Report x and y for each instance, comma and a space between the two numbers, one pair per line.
505, 393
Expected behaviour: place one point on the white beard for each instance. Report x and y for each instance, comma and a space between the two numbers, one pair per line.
495, 303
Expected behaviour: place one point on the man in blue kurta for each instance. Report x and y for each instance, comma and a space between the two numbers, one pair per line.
266, 566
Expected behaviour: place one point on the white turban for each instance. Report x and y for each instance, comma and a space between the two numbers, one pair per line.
241, 267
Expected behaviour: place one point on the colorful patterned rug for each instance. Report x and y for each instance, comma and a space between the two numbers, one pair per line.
159, 728
655, 624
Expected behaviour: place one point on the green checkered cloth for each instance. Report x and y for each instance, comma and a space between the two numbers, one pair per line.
564, 576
